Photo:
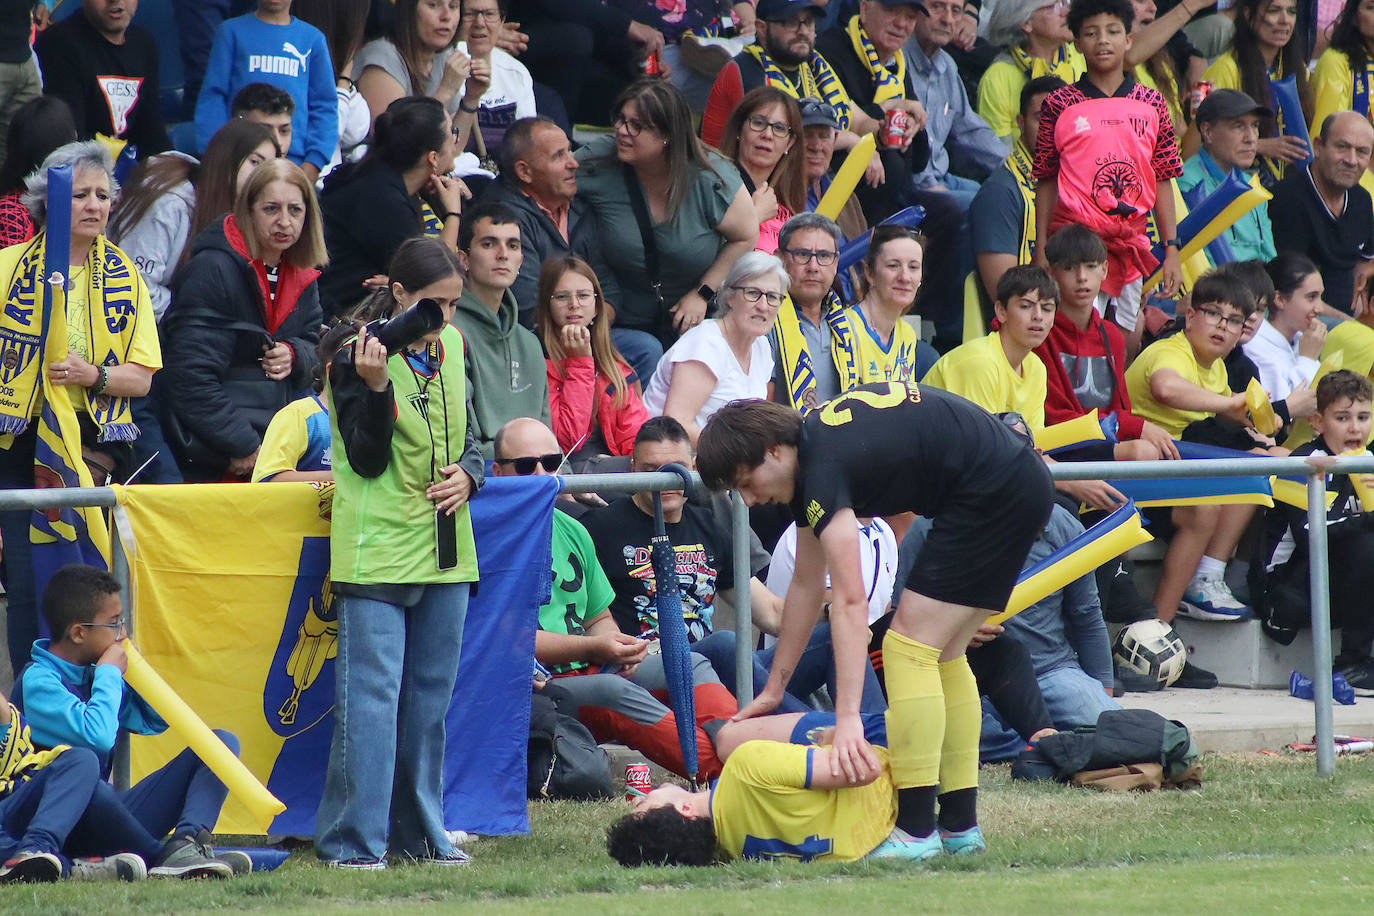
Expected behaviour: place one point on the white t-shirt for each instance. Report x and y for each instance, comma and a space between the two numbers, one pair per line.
706, 344
877, 564
1281, 368
509, 97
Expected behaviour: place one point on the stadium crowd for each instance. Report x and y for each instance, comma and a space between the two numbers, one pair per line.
717, 227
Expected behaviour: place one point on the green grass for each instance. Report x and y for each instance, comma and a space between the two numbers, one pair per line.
1262, 835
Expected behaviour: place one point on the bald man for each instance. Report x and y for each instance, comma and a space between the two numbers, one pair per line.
601, 675
1322, 212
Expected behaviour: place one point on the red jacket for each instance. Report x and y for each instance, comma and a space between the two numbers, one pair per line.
1085, 353
578, 392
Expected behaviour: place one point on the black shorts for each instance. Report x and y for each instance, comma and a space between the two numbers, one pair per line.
978, 544
1094, 451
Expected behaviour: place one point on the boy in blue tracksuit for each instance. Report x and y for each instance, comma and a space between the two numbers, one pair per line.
73, 693
269, 45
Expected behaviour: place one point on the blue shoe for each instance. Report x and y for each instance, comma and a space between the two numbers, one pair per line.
968, 842
1212, 600
902, 845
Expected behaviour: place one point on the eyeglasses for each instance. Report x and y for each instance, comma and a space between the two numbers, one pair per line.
758, 124
633, 126
489, 15
752, 294
1230, 322
1056, 6
583, 297
119, 626
525, 466
802, 255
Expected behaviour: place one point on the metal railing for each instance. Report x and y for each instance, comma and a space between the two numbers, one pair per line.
1314, 470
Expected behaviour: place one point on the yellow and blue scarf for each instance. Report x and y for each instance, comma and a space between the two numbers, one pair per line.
18, 757
1059, 65
1019, 164
886, 84
796, 359
818, 81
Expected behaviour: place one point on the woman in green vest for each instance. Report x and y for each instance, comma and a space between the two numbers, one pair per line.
405, 463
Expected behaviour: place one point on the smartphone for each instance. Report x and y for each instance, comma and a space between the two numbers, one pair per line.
445, 539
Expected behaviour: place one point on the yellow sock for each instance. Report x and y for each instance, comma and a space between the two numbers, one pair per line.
915, 710
963, 726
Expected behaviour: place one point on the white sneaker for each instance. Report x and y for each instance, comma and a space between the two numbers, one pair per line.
1209, 598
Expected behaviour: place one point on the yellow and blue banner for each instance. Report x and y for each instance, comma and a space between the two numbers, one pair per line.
232, 606
1200, 491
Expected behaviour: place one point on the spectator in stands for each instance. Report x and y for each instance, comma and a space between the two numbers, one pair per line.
1229, 122
419, 56
1322, 211
1180, 384
509, 90
671, 224
594, 397
952, 124
37, 128
1144, 151
1334, 83
1085, 356
269, 105
1341, 424
596, 667
1002, 215
297, 445
819, 130
242, 330
539, 182
20, 81
502, 359
272, 46
1068, 645
1265, 47
727, 358
806, 364
885, 347
1287, 347
1035, 40
761, 137
127, 353
197, 22
341, 22
106, 70
158, 213
401, 597
371, 206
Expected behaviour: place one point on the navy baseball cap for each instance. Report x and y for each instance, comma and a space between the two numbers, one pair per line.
916, 3
785, 10
1224, 104
815, 113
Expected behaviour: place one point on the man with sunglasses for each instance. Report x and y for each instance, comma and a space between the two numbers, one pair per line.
601, 675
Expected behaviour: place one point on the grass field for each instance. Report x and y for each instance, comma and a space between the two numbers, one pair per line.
1263, 834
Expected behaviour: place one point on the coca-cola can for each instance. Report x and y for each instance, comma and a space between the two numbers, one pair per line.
637, 780
895, 125
653, 64
1200, 91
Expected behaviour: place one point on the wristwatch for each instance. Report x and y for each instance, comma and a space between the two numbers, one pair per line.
1174, 243
706, 292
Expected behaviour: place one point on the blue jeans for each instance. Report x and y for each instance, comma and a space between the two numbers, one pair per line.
1074, 698
641, 350
182, 797
960, 188
40, 813
393, 682
815, 669
21, 598
151, 445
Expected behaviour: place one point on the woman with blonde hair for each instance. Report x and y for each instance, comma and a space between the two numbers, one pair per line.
594, 395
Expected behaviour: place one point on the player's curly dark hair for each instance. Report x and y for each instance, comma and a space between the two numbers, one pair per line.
662, 836
739, 435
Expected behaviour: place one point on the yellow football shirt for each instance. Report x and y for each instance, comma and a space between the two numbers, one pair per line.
979, 371
1175, 353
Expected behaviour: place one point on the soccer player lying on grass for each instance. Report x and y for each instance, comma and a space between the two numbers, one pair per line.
883, 449
773, 800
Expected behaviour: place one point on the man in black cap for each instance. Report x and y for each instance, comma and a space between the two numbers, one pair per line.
1229, 121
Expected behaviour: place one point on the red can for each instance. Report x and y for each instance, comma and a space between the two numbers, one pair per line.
637, 781
1200, 91
895, 126
653, 64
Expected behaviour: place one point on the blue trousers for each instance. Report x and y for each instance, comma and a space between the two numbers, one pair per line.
41, 812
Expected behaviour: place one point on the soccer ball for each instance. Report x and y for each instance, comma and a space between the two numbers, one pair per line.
1151, 648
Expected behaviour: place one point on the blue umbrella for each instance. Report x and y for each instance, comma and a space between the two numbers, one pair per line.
672, 630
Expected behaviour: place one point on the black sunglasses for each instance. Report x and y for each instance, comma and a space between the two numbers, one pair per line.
525, 466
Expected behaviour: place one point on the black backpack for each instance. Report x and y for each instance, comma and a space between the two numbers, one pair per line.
564, 759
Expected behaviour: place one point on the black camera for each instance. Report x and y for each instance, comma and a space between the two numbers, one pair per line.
422, 318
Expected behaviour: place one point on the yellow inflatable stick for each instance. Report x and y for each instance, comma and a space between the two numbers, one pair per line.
1078, 431
1261, 411
1362, 489
1120, 533
847, 178
263, 805
1294, 493
1329, 364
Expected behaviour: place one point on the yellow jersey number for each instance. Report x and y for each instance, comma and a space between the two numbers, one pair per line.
837, 413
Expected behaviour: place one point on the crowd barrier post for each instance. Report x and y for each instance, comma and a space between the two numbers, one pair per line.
1319, 582
744, 618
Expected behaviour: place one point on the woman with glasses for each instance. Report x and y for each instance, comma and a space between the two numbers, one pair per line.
594, 395
371, 206
506, 87
673, 218
885, 348
726, 358
1035, 40
763, 138
402, 563
420, 56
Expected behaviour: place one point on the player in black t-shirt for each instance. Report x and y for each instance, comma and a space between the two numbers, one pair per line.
883, 449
